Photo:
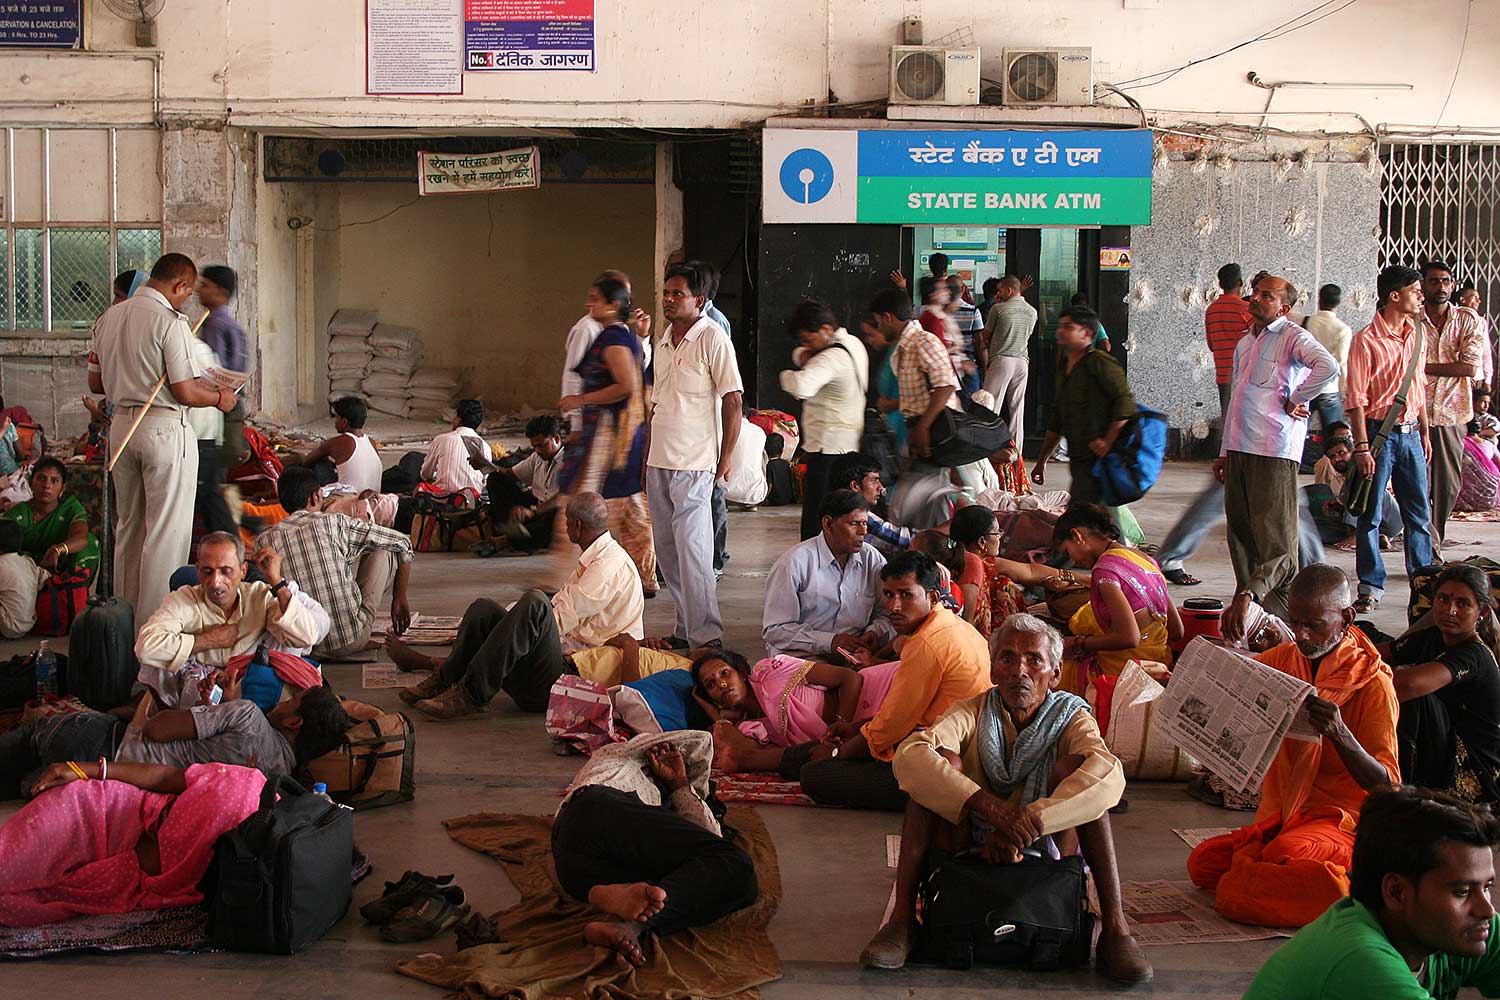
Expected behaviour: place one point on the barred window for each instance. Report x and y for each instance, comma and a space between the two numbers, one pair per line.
77, 207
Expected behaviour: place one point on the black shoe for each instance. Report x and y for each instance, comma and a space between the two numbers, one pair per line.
411, 888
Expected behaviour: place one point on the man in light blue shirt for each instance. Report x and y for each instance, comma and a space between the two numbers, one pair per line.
823, 595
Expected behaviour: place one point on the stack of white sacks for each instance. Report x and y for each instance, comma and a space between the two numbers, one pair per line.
349, 351
432, 392
396, 352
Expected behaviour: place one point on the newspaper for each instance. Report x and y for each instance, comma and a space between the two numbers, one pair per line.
1231, 712
480, 456
1173, 913
225, 378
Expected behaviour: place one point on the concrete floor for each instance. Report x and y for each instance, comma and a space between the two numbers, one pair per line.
833, 862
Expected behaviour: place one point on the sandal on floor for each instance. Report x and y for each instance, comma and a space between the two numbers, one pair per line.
485, 550
1181, 577
427, 918
411, 888
1366, 603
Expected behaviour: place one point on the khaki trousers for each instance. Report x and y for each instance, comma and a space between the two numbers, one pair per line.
155, 482
373, 575
1444, 479
1260, 505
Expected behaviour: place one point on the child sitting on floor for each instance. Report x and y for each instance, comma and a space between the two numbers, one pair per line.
778, 474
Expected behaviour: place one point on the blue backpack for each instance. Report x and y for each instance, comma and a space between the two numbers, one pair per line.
1133, 465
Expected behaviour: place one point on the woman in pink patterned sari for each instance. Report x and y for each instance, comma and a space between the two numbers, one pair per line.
138, 841
785, 701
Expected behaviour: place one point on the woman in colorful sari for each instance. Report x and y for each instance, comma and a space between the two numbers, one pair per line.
784, 702
987, 587
607, 454
100, 837
54, 525
1129, 615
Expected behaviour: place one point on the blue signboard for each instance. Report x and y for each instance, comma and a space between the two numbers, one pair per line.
47, 24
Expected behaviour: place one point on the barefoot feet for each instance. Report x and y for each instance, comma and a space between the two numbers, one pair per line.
622, 937
406, 658
637, 901
729, 747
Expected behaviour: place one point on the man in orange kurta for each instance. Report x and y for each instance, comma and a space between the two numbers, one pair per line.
1292, 863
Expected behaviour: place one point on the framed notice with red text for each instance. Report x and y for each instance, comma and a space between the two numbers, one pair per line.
414, 47
528, 35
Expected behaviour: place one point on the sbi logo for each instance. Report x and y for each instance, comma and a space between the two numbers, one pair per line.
806, 176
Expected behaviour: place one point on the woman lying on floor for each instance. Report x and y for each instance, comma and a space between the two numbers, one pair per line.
115, 837
784, 702
635, 838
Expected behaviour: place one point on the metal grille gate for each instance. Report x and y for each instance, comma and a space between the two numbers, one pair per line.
1443, 202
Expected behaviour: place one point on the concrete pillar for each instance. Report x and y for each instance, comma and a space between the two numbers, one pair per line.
668, 240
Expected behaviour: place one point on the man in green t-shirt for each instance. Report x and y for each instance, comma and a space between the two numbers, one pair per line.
1419, 921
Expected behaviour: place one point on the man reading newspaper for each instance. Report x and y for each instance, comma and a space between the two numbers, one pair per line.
1292, 862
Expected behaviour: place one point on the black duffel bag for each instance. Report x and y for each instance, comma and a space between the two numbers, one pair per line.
1032, 913
958, 438
282, 877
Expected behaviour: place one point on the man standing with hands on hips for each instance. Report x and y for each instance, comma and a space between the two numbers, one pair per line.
142, 348
692, 426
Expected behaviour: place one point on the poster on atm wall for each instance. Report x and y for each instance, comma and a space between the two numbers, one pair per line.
528, 35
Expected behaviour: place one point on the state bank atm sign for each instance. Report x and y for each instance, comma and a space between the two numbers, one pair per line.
955, 177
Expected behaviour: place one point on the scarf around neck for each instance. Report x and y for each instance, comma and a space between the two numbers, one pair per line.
1030, 760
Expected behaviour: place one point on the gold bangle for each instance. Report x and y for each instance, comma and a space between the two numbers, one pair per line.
77, 770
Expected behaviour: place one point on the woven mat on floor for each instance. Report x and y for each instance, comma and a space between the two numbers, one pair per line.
756, 786
179, 928
542, 953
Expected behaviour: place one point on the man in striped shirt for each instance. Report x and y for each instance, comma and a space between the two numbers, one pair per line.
1224, 323
1378, 360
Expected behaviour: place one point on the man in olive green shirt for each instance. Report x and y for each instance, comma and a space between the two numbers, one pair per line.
1090, 407
1419, 923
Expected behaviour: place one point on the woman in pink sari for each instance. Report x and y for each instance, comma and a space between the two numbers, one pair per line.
785, 701
140, 840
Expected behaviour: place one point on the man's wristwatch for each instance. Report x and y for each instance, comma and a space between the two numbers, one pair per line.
277, 587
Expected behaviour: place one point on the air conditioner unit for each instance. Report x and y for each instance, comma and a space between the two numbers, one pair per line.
925, 74
1062, 76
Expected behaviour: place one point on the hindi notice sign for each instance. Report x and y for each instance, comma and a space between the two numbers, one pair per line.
466, 173
54, 24
414, 47
528, 35
1231, 712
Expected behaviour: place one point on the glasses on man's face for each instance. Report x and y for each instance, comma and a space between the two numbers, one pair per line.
997, 533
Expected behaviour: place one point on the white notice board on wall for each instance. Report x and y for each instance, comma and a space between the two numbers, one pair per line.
414, 47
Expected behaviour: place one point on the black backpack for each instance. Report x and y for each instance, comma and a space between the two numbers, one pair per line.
282, 877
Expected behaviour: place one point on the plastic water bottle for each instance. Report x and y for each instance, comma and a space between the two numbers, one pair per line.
320, 790
46, 671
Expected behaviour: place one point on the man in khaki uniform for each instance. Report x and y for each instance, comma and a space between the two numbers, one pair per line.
135, 343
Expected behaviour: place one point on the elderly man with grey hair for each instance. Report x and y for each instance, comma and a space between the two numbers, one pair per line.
523, 650
1018, 770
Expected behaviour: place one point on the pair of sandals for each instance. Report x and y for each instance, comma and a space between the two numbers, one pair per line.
418, 907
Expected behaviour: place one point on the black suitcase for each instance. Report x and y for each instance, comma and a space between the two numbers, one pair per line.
101, 641
281, 878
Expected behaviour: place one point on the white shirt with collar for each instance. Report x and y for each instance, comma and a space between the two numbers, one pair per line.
832, 386
691, 379
601, 600
539, 474
580, 339
447, 463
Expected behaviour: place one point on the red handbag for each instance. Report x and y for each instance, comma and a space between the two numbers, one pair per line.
61, 600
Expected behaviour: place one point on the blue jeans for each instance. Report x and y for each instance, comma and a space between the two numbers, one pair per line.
1329, 407
1403, 464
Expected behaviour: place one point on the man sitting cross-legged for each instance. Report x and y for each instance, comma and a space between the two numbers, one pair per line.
823, 595
223, 616
943, 661
301, 728
523, 651
344, 562
1420, 925
635, 838
1292, 863
1002, 771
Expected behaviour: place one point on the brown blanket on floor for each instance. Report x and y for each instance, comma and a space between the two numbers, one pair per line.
542, 953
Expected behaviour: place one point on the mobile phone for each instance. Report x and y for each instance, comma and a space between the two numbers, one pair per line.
844, 652
215, 695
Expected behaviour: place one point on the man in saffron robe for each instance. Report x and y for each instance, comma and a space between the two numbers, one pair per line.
1292, 863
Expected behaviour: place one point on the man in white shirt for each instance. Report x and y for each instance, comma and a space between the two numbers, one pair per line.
832, 378
694, 423
1334, 334
222, 616
524, 650
1005, 353
447, 465
524, 497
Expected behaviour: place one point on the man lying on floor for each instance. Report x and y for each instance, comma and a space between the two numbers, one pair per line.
1003, 772
1292, 863
943, 661
523, 650
222, 617
299, 729
823, 594
635, 838
1419, 925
